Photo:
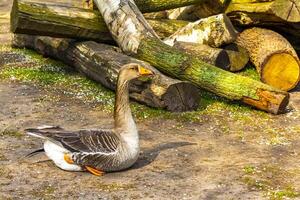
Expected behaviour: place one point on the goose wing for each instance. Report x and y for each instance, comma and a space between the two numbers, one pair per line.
87, 141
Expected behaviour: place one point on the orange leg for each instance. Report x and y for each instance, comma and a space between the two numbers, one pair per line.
94, 171
68, 159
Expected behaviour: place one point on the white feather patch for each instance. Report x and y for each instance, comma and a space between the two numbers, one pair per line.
56, 154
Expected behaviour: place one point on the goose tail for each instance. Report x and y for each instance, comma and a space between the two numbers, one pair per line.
35, 152
41, 130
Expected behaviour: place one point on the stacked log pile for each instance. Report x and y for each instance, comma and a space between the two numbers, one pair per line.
196, 44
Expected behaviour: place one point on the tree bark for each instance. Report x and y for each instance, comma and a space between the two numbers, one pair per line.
102, 62
209, 8
133, 34
214, 31
192, 12
273, 56
238, 57
278, 15
147, 6
54, 20
232, 58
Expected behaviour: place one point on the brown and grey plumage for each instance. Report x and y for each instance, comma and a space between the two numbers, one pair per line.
98, 150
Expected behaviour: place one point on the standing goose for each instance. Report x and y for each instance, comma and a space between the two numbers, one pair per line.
98, 151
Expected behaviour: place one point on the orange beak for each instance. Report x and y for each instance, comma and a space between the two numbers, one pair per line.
143, 71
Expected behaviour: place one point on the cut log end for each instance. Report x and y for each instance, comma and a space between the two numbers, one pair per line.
272, 102
223, 60
181, 97
287, 10
281, 71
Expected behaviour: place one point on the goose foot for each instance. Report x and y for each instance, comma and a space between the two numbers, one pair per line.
68, 159
94, 171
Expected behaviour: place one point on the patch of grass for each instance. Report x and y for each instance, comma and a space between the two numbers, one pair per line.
56, 76
249, 169
272, 180
288, 192
250, 71
11, 133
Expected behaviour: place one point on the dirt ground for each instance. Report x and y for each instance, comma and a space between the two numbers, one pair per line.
256, 157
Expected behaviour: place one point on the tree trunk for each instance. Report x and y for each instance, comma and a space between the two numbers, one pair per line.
54, 20
136, 37
273, 56
102, 62
192, 12
278, 15
209, 8
214, 31
233, 58
147, 6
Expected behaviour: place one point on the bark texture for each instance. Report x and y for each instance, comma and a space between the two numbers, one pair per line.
214, 56
264, 12
232, 58
209, 8
102, 62
185, 66
273, 56
55, 20
278, 15
214, 31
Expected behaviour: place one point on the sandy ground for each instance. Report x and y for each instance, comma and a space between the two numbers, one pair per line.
257, 158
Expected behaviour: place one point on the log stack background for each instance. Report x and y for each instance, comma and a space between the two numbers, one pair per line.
203, 34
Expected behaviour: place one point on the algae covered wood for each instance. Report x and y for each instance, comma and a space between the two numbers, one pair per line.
273, 56
209, 8
238, 57
214, 31
102, 62
214, 56
232, 58
135, 37
158, 5
49, 19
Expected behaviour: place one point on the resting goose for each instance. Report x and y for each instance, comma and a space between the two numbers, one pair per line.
98, 151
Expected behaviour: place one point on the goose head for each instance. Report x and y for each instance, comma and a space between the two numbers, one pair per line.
133, 70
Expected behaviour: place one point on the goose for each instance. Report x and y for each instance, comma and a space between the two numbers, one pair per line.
98, 151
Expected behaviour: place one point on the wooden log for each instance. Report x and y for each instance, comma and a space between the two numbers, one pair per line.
102, 62
214, 31
192, 12
183, 13
277, 15
87, 4
238, 57
147, 6
263, 12
54, 20
133, 34
273, 56
213, 56
232, 58
209, 8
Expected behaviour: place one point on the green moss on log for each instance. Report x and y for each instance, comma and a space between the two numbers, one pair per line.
232, 86
62, 21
